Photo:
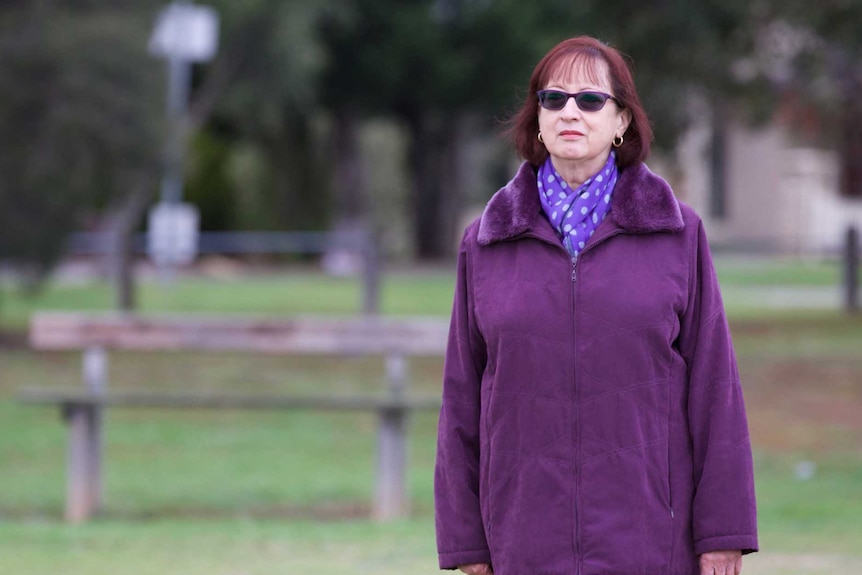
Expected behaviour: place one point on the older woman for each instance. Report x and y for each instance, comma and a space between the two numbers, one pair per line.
593, 419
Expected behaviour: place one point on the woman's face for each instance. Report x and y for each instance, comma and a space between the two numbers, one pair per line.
579, 142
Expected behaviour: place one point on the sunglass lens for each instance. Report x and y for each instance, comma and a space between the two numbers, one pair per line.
552, 100
586, 101
590, 101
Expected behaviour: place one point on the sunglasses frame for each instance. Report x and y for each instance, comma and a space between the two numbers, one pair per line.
605, 97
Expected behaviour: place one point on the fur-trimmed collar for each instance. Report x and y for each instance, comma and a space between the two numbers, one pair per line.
643, 202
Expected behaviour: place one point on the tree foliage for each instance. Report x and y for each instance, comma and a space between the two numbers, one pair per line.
274, 118
811, 54
433, 66
256, 102
78, 121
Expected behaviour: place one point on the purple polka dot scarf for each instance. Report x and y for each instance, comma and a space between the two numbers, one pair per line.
576, 214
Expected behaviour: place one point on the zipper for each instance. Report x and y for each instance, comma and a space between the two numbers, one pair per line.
577, 417
574, 262
577, 406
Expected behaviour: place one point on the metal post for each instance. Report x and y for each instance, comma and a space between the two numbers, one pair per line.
179, 86
851, 270
391, 492
179, 79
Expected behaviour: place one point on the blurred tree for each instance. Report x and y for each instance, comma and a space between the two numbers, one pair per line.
289, 73
792, 59
433, 66
680, 49
79, 130
811, 53
436, 64
259, 96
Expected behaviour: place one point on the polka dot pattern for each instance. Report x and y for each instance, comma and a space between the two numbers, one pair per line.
582, 209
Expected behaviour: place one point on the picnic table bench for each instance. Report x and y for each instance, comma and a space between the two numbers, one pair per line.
95, 334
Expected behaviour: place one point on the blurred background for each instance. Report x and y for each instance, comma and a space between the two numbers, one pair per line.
283, 157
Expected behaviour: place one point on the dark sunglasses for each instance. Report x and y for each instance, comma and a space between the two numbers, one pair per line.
586, 101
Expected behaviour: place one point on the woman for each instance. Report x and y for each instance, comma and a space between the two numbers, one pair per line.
592, 420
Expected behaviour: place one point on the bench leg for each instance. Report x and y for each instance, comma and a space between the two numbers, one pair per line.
83, 465
390, 500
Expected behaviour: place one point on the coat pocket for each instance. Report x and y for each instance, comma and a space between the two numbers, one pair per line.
626, 519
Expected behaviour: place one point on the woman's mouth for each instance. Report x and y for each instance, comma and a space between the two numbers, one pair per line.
570, 134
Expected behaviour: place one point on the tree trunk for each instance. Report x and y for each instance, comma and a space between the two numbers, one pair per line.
435, 165
351, 221
295, 195
851, 141
306, 182
122, 223
351, 209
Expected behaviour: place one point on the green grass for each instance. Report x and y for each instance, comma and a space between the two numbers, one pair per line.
231, 492
819, 513
760, 271
231, 545
301, 292
749, 290
213, 492
265, 462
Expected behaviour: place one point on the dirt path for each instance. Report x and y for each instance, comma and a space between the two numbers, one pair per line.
804, 404
801, 564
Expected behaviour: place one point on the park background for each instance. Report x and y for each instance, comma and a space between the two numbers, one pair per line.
382, 118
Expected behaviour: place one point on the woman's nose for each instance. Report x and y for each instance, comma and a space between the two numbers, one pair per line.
570, 110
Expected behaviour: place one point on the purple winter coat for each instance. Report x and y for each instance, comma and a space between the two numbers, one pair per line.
592, 419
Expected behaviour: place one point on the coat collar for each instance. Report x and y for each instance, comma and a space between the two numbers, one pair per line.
643, 203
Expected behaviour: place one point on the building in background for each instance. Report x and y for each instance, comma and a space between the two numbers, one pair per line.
760, 192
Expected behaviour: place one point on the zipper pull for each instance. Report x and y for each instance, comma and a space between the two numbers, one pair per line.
574, 269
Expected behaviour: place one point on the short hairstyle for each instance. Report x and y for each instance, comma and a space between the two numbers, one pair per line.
586, 52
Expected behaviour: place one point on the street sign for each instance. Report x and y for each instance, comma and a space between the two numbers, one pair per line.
186, 32
172, 238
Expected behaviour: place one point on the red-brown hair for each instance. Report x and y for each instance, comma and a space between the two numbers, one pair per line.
588, 53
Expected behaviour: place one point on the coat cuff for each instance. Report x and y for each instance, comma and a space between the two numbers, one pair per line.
745, 543
455, 558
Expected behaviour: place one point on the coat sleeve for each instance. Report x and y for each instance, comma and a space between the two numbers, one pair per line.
723, 510
460, 530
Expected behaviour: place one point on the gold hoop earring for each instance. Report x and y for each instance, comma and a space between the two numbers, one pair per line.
540, 137
618, 141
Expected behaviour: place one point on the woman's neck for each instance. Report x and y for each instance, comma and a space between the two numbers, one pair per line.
576, 172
